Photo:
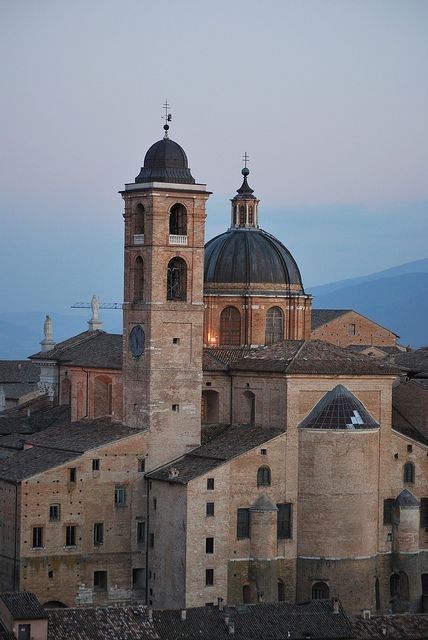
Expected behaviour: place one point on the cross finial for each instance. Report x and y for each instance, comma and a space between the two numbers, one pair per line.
246, 159
167, 117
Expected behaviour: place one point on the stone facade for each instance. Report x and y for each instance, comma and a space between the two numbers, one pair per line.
352, 328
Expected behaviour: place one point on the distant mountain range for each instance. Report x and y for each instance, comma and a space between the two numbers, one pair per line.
396, 298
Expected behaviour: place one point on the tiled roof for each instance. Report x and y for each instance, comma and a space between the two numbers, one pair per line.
312, 357
39, 420
81, 436
57, 445
414, 361
407, 499
278, 621
339, 409
228, 356
323, 316
402, 424
16, 371
232, 442
23, 605
396, 627
88, 349
16, 390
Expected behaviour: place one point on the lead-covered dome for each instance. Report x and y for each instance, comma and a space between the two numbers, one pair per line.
165, 161
252, 260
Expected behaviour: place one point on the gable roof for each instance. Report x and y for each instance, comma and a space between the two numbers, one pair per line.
414, 361
88, 349
311, 357
339, 409
56, 445
230, 443
320, 317
23, 605
18, 371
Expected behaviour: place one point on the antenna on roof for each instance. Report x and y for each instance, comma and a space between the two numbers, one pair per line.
167, 117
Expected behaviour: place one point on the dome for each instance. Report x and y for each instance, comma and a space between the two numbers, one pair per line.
247, 258
165, 161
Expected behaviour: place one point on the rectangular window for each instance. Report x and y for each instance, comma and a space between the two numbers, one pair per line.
210, 484
176, 407
210, 509
100, 580
141, 465
155, 504
98, 534
388, 510
120, 496
96, 464
424, 512
209, 577
209, 545
138, 579
351, 329
70, 535
54, 512
284, 522
141, 532
72, 474
243, 524
37, 537
24, 632
152, 540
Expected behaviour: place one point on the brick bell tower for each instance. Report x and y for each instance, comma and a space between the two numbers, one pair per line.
163, 302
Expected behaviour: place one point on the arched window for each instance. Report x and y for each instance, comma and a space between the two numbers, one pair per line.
409, 472
210, 406
178, 220
249, 408
138, 284
281, 591
230, 326
139, 220
320, 591
246, 594
177, 280
264, 478
394, 585
66, 391
241, 214
274, 325
250, 215
102, 396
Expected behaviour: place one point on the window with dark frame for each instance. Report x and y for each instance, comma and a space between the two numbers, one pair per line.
100, 580
98, 534
176, 280
409, 472
210, 484
178, 220
264, 478
141, 465
96, 464
72, 474
274, 330
209, 577
54, 512
424, 512
243, 524
388, 510
37, 537
209, 545
141, 531
284, 521
120, 496
70, 535
152, 540
209, 509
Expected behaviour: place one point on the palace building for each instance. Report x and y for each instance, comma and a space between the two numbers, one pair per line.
231, 445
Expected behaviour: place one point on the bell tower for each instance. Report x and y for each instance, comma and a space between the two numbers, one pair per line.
163, 302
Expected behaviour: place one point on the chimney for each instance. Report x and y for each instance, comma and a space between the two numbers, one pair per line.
220, 604
183, 614
150, 614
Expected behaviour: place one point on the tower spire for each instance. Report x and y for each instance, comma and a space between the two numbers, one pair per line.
167, 117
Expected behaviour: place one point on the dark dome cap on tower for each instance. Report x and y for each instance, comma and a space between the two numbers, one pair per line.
165, 161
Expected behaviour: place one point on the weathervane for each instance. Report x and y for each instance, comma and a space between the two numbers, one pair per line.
167, 117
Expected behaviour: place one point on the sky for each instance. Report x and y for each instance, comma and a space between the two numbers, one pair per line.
328, 98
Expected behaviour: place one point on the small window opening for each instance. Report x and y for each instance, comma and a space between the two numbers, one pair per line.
176, 407
210, 484
209, 577
176, 341
243, 524
264, 478
98, 534
54, 512
100, 580
141, 532
95, 464
72, 474
120, 496
37, 537
210, 509
141, 465
209, 545
70, 535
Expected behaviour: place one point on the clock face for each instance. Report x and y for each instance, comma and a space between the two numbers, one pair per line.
137, 341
